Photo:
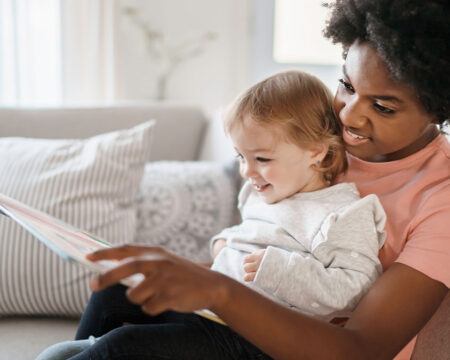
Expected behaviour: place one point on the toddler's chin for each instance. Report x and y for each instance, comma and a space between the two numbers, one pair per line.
268, 200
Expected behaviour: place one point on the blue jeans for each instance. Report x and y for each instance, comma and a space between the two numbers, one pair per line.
167, 336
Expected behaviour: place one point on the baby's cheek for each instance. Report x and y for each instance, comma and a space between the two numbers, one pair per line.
242, 171
271, 174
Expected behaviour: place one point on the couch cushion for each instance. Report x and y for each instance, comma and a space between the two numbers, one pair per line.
181, 205
91, 184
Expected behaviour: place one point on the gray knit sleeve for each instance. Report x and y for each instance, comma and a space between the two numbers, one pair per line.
343, 263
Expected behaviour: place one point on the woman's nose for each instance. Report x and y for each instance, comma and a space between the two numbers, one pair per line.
351, 112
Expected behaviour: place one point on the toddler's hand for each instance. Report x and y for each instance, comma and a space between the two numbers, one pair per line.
251, 264
218, 246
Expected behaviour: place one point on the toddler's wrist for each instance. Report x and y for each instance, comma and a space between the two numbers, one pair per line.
218, 246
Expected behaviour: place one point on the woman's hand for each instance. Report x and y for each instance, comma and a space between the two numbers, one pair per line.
170, 282
252, 263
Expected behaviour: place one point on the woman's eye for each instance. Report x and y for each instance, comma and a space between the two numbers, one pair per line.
347, 86
261, 159
383, 109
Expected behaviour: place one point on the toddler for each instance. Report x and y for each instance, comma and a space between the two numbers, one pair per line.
303, 242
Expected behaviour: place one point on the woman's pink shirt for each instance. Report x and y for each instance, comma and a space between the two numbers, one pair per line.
415, 193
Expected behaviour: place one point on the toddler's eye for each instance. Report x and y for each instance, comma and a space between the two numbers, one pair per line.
239, 156
348, 87
383, 109
261, 159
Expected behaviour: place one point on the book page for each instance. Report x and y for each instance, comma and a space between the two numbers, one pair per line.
68, 242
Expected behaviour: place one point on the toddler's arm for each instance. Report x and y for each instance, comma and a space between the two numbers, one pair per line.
343, 263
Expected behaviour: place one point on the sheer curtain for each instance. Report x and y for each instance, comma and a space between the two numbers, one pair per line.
57, 52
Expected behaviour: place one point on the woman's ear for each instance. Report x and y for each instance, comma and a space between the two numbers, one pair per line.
435, 120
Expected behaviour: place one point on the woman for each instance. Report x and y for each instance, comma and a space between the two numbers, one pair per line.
393, 92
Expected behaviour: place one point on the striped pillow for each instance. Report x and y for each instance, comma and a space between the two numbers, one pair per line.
91, 184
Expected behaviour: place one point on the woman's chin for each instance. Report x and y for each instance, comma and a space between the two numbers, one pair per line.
361, 152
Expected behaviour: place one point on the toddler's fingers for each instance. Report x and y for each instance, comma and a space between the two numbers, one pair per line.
250, 258
250, 276
251, 267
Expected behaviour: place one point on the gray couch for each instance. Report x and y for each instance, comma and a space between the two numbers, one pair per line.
180, 135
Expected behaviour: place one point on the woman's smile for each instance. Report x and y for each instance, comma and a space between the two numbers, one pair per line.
353, 139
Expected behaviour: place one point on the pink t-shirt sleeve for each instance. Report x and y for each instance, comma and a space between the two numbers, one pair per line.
428, 247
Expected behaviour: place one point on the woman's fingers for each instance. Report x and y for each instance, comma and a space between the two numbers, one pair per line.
143, 291
124, 269
122, 252
170, 281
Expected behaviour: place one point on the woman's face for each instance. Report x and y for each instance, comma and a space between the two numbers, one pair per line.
383, 120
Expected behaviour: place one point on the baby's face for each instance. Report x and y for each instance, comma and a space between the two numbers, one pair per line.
275, 168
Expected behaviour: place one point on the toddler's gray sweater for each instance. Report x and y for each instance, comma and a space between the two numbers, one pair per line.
321, 247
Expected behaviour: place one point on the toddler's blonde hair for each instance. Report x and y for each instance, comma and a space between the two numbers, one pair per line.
301, 106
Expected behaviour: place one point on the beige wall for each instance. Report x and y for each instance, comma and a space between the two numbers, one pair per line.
211, 79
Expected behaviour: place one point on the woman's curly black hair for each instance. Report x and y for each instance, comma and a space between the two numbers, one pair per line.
411, 36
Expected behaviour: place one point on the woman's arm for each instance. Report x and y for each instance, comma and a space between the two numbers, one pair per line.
393, 311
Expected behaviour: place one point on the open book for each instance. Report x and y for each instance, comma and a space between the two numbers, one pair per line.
68, 242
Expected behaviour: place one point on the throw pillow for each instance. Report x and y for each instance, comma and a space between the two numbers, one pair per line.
181, 205
91, 184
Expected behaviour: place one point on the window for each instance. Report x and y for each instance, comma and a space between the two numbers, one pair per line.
298, 38
288, 34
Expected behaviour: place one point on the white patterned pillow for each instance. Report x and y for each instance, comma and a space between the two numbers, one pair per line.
91, 184
181, 205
